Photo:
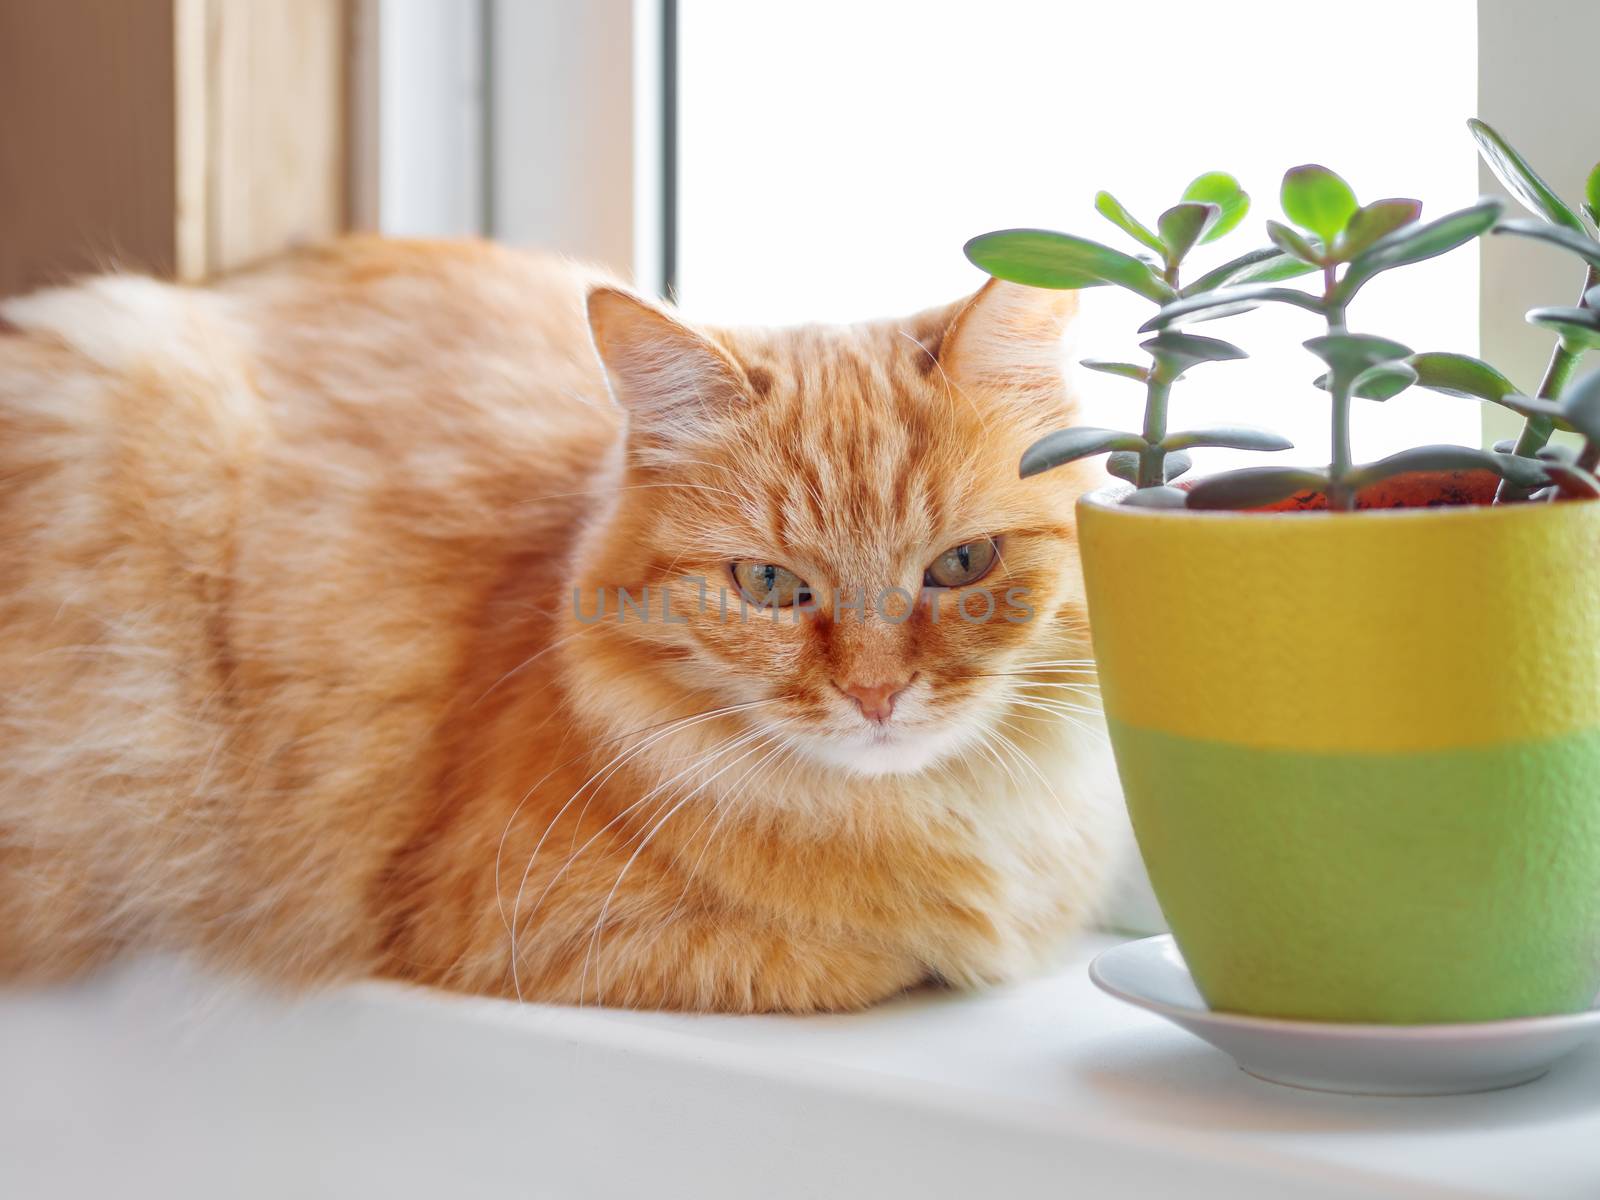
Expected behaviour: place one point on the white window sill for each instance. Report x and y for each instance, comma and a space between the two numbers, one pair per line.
140, 1083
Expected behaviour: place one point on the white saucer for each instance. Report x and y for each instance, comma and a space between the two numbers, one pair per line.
1376, 1060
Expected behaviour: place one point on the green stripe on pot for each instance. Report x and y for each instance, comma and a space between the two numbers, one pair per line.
1398, 888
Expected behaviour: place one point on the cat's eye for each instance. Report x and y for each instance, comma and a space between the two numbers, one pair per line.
961, 565
770, 585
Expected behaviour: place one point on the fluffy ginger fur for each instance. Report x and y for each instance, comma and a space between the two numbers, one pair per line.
293, 677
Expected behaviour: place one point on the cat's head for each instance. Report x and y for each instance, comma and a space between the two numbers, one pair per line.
830, 523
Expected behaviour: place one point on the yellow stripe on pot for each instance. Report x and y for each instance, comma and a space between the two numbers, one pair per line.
1394, 630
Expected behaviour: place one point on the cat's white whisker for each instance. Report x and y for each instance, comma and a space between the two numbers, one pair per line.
950, 385
1032, 766
1038, 678
723, 808
593, 951
1058, 718
665, 727
530, 660
1081, 689
1054, 704
983, 743
604, 773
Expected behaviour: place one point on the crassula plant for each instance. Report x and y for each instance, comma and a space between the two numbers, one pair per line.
1211, 206
1577, 328
1347, 244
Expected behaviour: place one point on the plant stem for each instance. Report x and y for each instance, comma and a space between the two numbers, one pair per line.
1157, 388
1340, 498
1152, 460
1536, 431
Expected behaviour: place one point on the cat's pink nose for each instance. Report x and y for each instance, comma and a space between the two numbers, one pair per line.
875, 700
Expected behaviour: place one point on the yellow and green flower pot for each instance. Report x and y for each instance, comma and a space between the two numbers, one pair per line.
1362, 751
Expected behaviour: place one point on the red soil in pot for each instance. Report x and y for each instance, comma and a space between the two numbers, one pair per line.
1420, 489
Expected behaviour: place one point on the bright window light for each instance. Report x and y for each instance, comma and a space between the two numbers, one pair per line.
835, 156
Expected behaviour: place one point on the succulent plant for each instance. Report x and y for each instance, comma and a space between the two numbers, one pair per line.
1211, 206
1350, 244
1578, 411
1577, 329
1330, 232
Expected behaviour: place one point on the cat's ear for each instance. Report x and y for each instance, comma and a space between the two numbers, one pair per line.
673, 383
1009, 339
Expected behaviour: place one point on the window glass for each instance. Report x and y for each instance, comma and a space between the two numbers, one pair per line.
835, 156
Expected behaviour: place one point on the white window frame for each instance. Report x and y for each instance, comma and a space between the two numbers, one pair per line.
453, 104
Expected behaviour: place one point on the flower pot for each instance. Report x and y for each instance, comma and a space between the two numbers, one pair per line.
1362, 752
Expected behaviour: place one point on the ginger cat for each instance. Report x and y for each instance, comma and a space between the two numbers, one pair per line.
302, 668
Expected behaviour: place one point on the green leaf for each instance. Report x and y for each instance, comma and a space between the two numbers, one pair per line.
1255, 486
1591, 188
1524, 472
1208, 306
1535, 407
1315, 198
1521, 180
1157, 497
1126, 370
1183, 225
1591, 298
1581, 244
1377, 383
1579, 328
1068, 445
1580, 405
1293, 243
1414, 243
1233, 437
1043, 258
1460, 375
1267, 265
1374, 221
1383, 382
1223, 190
1351, 355
1175, 353
1124, 464
1109, 207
